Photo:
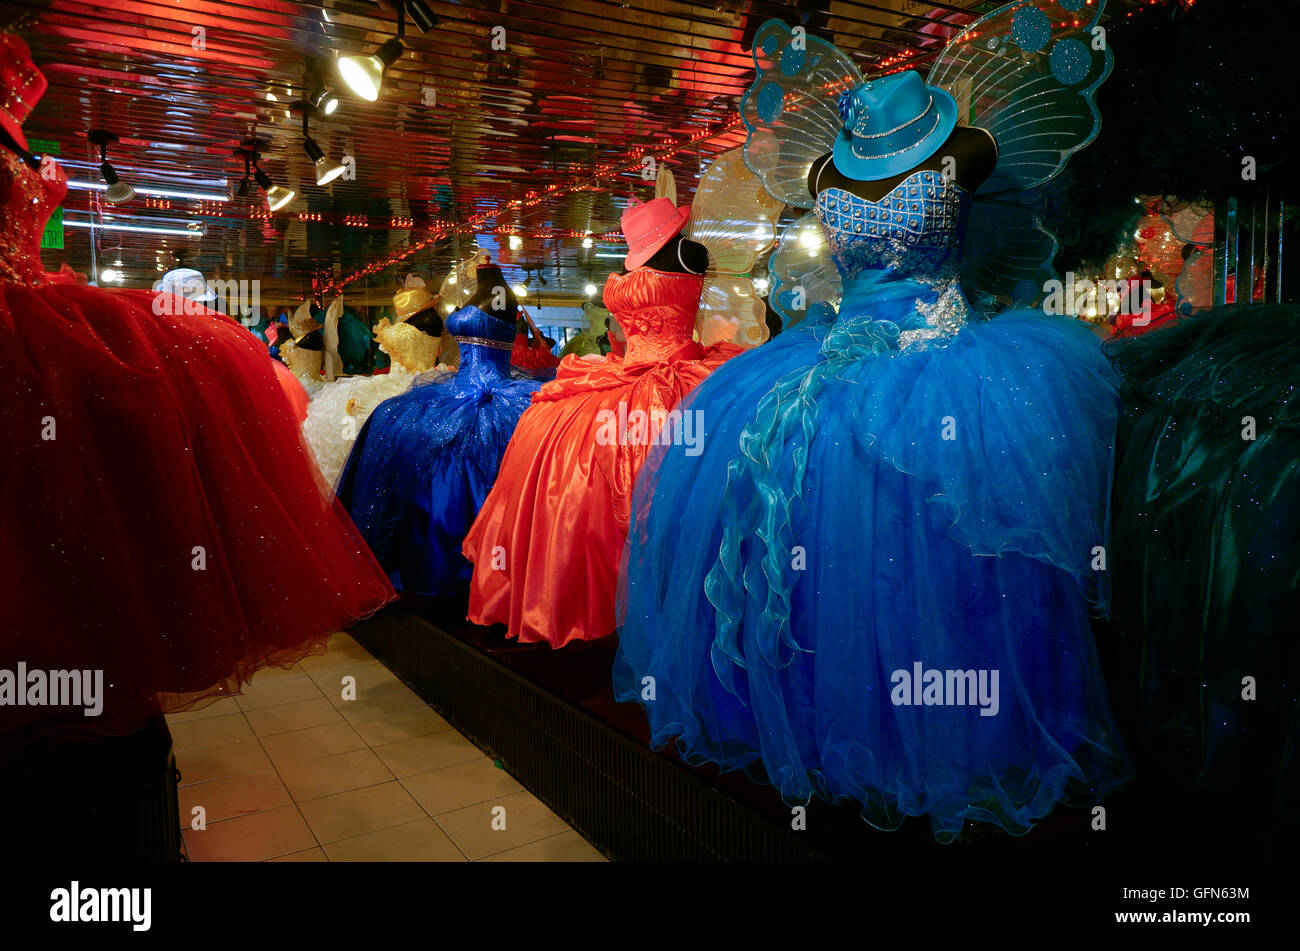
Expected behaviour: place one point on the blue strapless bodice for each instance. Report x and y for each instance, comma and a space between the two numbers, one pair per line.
485, 342
904, 248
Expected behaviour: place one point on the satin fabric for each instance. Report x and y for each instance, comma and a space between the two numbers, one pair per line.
1207, 569
425, 460
893, 486
556, 520
163, 520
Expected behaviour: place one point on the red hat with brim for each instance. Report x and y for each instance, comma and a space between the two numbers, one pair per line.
648, 226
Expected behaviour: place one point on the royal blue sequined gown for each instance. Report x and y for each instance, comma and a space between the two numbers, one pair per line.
902, 483
425, 460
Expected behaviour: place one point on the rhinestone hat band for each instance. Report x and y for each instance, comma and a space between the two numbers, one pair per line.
907, 148
880, 135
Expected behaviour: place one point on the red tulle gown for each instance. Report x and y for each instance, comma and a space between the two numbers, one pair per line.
547, 542
163, 522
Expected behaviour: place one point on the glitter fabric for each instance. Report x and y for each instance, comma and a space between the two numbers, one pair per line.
163, 521
887, 484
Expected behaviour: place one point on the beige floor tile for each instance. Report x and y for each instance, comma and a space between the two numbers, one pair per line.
454, 787
565, 847
263, 835
365, 677
307, 855
274, 693
341, 639
299, 746
233, 797
384, 698
213, 731
292, 716
526, 819
420, 841
423, 753
219, 762
399, 725
359, 811
222, 707
334, 774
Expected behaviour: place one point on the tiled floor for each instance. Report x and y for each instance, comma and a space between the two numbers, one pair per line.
291, 771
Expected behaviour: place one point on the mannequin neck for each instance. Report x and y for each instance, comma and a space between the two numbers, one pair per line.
679, 256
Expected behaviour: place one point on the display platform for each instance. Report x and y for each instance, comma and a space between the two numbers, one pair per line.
550, 719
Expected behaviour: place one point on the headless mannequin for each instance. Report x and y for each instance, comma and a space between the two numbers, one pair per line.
490, 278
973, 151
681, 255
428, 320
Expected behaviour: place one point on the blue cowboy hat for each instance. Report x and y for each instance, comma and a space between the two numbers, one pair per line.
892, 124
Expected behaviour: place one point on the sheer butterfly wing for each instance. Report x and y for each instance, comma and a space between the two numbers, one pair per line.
1027, 73
735, 218
790, 111
330, 339
801, 271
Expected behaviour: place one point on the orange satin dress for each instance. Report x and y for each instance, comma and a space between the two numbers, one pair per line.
546, 544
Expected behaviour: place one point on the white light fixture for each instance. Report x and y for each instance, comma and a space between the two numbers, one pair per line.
591, 290
516, 242
134, 229
606, 254
586, 242
521, 290
364, 75
150, 192
110, 275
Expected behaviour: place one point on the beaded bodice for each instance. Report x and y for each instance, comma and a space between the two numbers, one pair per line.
485, 341
656, 309
906, 245
27, 199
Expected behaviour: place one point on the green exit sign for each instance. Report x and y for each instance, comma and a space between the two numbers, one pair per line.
52, 237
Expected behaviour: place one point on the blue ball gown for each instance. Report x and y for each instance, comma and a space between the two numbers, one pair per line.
425, 460
898, 489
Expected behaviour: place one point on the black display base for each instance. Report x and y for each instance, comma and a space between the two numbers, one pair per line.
550, 719
110, 799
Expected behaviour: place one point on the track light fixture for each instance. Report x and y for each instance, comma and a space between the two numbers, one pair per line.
323, 101
118, 191
364, 75
326, 169
277, 196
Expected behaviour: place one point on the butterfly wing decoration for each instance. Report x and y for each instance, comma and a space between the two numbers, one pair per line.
801, 272
1027, 73
330, 339
735, 218
456, 290
790, 110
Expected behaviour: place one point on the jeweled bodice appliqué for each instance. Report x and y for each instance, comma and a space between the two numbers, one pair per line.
656, 309
906, 244
27, 199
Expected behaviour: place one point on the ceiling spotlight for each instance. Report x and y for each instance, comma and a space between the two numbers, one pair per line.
586, 242
364, 75
591, 290
118, 191
326, 169
277, 196
323, 101
516, 242
521, 290
421, 15
109, 275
